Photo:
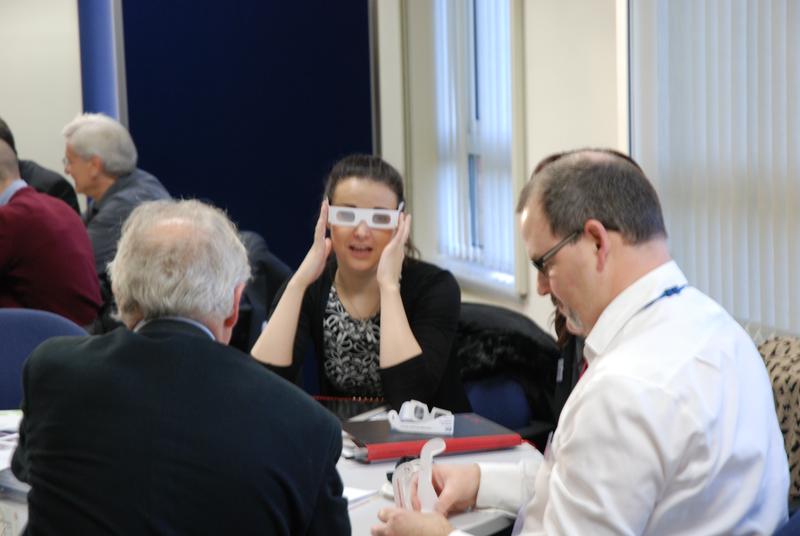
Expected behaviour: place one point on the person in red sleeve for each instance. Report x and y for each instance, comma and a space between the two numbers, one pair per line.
46, 259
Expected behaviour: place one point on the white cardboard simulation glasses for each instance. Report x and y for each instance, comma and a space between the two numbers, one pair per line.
375, 218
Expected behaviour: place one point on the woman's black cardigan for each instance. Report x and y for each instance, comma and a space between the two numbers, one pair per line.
432, 299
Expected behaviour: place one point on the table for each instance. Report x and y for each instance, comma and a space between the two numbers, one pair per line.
372, 476
14, 511
13, 515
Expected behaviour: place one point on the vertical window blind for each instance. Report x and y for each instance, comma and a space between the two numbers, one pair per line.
474, 137
715, 122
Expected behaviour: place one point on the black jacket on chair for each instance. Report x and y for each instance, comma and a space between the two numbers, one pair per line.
48, 182
495, 340
268, 275
164, 431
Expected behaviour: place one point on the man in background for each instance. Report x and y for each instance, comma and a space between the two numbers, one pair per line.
42, 179
101, 157
46, 260
162, 428
671, 428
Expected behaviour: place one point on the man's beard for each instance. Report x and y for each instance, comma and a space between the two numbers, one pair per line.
574, 324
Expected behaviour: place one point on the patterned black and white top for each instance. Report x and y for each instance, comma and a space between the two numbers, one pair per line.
431, 300
352, 349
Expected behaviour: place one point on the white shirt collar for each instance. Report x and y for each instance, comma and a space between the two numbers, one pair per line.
628, 303
15, 186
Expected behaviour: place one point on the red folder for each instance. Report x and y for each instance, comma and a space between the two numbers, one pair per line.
375, 440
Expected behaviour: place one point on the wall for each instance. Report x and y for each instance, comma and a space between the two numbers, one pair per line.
421, 125
248, 104
250, 107
391, 83
575, 94
573, 88
40, 62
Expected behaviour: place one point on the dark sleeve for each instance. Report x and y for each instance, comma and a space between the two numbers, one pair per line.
302, 338
7, 236
105, 229
433, 320
330, 511
64, 191
19, 461
49, 182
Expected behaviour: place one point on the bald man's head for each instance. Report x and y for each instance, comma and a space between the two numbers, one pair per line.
9, 167
178, 258
6, 135
602, 184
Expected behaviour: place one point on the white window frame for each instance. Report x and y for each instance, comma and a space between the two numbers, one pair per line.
501, 269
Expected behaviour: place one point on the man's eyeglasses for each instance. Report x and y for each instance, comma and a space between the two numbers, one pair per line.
550, 253
375, 218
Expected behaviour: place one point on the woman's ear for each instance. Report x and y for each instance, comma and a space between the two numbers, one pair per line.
598, 233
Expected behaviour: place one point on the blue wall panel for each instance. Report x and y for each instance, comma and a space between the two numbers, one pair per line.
98, 75
248, 103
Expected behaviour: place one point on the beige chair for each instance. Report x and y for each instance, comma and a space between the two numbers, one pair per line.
782, 356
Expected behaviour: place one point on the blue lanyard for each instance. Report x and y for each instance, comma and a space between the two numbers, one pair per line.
671, 291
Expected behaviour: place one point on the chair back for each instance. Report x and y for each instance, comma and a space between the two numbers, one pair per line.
501, 399
508, 366
268, 275
781, 356
22, 330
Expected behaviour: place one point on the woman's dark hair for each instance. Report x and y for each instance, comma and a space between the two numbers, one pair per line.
365, 166
372, 168
562, 334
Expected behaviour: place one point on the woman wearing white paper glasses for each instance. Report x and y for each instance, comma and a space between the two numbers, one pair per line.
381, 322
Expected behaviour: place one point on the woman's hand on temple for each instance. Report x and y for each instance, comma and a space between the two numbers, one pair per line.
314, 262
391, 262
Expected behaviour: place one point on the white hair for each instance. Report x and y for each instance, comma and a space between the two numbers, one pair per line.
178, 258
99, 135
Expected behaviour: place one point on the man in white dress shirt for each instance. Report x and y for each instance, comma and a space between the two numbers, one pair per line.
672, 427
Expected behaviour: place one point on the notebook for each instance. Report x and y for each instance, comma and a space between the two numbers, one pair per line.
375, 440
356, 496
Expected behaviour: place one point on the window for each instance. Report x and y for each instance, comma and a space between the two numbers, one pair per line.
715, 122
473, 81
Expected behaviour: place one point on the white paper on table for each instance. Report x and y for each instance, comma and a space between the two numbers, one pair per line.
7, 445
348, 447
9, 424
9, 420
356, 496
5, 458
375, 414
